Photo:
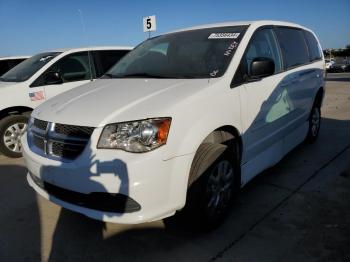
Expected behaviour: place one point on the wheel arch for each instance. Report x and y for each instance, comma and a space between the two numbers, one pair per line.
226, 135
319, 97
16, 110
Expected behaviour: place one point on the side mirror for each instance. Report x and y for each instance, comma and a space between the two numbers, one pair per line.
261, 67
53, 78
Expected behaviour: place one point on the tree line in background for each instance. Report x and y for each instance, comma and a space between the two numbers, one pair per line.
343, 52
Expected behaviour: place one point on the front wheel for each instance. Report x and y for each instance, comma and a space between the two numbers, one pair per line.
210, 196
314, 124
11, 130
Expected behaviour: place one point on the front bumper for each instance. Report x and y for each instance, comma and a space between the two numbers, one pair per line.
158, 186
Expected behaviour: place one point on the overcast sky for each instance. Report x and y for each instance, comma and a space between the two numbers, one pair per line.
29, 27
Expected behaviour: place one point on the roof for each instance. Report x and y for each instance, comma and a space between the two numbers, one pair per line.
93, 48
14, 57
239, 23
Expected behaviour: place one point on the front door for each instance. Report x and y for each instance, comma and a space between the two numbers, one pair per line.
266, 104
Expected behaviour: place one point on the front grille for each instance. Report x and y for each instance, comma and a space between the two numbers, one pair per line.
40, 124
68, 151
39, 142
69, 130
59, 140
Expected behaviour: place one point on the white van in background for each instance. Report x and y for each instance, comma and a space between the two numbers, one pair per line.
180, 124
41, 77
8, 62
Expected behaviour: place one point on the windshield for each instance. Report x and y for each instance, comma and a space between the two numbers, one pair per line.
29, 67
200, 53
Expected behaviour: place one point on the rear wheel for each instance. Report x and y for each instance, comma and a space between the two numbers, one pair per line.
11, 130
314, 124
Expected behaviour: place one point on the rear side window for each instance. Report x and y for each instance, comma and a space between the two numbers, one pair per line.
293, 47
313, 46
105, 59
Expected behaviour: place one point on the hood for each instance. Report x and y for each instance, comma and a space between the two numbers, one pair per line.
116, 100
7, 84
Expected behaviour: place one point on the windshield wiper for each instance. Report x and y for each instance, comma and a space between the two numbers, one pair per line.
6, 80
141, 75
147, 75
108, 76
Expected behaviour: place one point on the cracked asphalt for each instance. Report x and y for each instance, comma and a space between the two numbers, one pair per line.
298, 210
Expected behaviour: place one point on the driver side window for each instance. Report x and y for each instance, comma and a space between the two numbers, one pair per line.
73, 67
263, 45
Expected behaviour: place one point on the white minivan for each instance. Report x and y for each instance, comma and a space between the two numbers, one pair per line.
41, 77
179, 124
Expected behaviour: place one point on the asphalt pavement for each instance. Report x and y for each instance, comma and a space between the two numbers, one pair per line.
298, 210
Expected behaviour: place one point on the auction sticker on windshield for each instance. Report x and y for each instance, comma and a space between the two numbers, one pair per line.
224, 36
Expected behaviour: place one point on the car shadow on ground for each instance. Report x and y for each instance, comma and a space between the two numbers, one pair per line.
87, 241
20, 230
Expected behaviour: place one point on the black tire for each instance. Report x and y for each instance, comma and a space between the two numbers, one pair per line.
314, 124
198, 213
5, 124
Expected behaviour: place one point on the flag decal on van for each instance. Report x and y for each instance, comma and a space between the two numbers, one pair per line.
34, 96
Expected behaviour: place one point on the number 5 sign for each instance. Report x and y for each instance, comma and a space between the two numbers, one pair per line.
149, 23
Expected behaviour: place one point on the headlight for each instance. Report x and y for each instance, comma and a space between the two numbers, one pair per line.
136, 136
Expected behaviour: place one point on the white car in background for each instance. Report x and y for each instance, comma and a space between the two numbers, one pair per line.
329, 64
179, 124
8, 62
42, 77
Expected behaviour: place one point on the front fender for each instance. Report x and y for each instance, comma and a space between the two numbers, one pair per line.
189, 128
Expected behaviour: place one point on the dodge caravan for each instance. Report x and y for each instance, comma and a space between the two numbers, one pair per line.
41, 77
179, 124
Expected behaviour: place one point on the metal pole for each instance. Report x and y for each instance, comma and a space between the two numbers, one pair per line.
87, 40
